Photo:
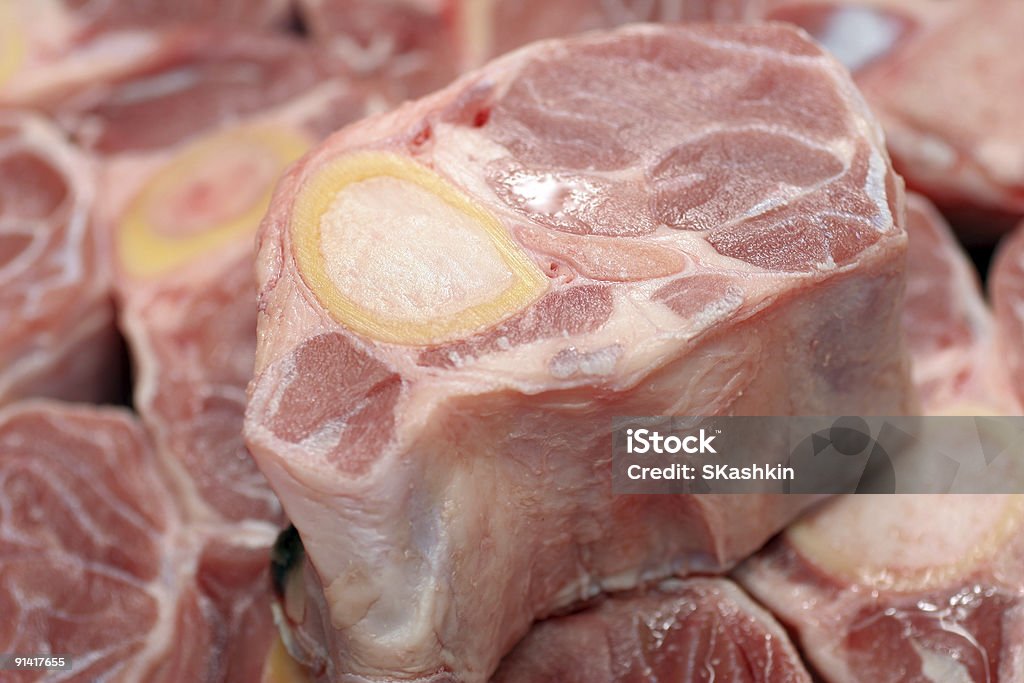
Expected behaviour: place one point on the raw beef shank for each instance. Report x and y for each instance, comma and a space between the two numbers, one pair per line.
920, 587
97, 561
421, 45
692, 630
943, 78
458, 296
1007, 292
50, 47
951, 334
182, 203
56, 312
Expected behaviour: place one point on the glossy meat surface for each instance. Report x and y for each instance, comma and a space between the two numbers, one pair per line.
697, 630
56, 313
940, 76
97, 562
923, 588
457, 297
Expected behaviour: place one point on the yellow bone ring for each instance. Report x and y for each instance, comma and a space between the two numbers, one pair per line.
398, 254
213, 192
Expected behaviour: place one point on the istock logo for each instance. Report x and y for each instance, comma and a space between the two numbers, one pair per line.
649, 441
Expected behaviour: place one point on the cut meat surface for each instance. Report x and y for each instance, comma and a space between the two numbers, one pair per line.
182, 220
918, 588
48, 49
198, 81
902, 588
1007, 291
698, 630
56, 313
421, 45
949, 326
96, 562
112, 14
930, 71
441, 352
47, 46
927, 67
504, 25
410, 44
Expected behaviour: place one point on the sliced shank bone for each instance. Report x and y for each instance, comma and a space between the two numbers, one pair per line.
441, 349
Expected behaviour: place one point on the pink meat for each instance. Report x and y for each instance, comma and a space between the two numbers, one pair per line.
939, 75
949, 326
693, 630
191, 323
412, 45
97, 563
197, 81
902, 588
452, 488
1007, 292
421, 45
48, 49
926, 589
55, 310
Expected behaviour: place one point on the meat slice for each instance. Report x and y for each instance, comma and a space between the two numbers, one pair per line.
412, 45
53, 47
123, 88
939, 75
56, 314
115, 14
949, 326
507, 24
458, 296
48, 48
1007, 292
182, 220
421, 45
52, 43
902, 588
199, 80
917, 588
97, 564
693, 630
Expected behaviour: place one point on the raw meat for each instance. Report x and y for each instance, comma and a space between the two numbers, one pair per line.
47, 49
941, 76
508, 24
411, 45
96, 561
949, 326
421, 45
112, 14
56, 313
458, 296
1007, 291
693, 630
200, 80
182, 220
917, 588
48, 41
902, 588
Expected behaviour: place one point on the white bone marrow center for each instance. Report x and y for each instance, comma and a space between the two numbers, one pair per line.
398, 254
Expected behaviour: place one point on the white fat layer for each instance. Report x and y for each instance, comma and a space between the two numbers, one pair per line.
941, 668
402, 253
571, 362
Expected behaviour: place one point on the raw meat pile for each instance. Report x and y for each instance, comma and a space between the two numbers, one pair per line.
317, 314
